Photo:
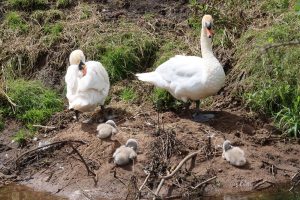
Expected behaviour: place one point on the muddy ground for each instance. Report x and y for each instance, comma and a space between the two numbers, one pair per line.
162, 146
164, 140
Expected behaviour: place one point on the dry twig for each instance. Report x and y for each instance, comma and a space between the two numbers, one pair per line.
210, 179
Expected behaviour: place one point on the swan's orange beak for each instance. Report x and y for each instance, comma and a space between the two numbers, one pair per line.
210, 32
84, 70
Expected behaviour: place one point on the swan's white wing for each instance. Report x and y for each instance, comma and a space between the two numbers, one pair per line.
95, 78
180, 68
71, 80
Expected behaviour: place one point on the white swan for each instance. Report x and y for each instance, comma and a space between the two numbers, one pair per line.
125, 153
87, 83
191, 77
107, 129
234, 155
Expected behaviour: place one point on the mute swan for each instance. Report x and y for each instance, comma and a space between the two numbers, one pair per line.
107, 129
87, 83
234, 155
125, 153
191, 77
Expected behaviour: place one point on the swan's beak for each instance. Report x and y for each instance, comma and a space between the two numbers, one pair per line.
84, 70
210, 33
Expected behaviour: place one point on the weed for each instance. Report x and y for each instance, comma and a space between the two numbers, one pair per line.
128, 94
28, 4
20, 137
63, 3
85, 12
49, 16
16, 22
35, 103
272, 81
53, 29
163, 100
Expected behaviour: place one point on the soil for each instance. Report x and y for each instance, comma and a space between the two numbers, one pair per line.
164, 139
59, 170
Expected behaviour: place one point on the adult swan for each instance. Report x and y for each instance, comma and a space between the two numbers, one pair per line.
87, 84
191, 77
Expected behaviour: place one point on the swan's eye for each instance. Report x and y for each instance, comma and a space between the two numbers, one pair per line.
208, 25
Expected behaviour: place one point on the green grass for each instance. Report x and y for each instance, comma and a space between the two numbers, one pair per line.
128, 94
53, 33
35, 102
47, 16
20, 137
127, 54
163, 100
15, 22
63, 3
272, 81
27, 4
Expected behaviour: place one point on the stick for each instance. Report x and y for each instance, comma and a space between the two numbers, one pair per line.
48, 145
210, 179
46, 127
159, 187
145, 181
181, 163
9, 100
267, 47
259, 184
82, 159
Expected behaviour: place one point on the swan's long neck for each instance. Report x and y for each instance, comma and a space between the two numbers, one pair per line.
206, 45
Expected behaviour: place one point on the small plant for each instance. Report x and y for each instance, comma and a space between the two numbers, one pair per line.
85, 12
128, 94
20, 137
16, 22
46, 17
163, 100
53, 29
27, 4
2, 124
63, 3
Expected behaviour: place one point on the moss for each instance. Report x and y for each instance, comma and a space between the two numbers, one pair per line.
15, 22
272, 82
27, 4
35, 103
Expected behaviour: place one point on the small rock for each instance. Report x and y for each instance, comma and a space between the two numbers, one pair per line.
249, 130
220, 170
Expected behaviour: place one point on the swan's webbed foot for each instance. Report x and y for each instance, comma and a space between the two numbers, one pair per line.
201, 117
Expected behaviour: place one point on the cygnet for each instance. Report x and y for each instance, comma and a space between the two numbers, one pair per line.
234, 155
107, 129
125, 153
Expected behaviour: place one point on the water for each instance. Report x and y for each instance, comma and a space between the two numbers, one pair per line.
20, 192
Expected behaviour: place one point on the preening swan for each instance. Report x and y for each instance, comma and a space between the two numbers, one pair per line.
191, 77
125, 153
87, 83
234, 155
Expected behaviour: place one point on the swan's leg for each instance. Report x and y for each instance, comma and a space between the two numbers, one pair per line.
201, 117
76, 115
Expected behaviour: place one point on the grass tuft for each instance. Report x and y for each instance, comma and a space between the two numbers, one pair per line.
128, 94
15, 22
20, 137
63, 3
35, 103
163, 100
28, 4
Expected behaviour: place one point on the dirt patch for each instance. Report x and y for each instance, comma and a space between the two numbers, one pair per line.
161, 147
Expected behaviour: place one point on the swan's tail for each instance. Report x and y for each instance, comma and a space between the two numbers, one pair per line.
152, 77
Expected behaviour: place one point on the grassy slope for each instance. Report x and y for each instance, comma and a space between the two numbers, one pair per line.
37, 47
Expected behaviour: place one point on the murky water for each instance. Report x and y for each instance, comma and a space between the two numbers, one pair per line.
20, 192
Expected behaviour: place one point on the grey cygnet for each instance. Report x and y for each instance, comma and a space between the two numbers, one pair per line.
107, 129
125, 153
234, 155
